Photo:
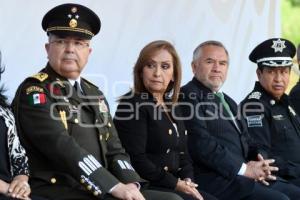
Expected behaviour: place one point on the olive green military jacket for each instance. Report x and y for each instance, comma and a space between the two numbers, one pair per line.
69, 137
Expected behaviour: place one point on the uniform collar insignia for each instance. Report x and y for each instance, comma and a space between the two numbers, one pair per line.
292, 111
59, 82
278, 45
255, 95
102, 106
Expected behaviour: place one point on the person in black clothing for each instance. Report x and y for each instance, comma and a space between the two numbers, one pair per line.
149, 125
294, 94
227, 163
271, 119
14, 171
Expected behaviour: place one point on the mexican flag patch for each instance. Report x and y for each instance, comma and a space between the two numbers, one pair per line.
37, 98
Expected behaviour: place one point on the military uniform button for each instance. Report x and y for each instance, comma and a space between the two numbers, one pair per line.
109, 124
100, 137
53, 180
185, 132
168, 150
170, 131
96, 193
166, 168
89, 187
82, 180
76, 121
182, 152
96, 121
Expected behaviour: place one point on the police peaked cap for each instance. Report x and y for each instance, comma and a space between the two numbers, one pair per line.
275, 52
71, 20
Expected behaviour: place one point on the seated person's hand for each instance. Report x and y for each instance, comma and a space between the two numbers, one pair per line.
188, 187
3, 187
19, 188
261, 170
127, 192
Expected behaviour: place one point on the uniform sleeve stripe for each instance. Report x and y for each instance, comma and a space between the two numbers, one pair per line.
93, 159
121, 164
90, 164
128, 165
84, 168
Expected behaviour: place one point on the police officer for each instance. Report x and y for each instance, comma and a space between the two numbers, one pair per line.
64, 121
271, 120
295, 92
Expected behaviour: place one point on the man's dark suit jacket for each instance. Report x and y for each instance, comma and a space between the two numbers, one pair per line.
217, 147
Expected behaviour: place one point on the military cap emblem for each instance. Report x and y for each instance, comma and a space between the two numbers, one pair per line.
74, 9
278, 45
73, 23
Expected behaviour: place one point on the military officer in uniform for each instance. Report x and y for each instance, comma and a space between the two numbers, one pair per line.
271, 119
295, 92
64, 121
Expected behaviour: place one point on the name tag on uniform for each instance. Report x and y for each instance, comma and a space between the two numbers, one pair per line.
254, 121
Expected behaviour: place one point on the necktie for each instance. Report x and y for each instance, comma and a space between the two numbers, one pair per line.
77, 87
220, 95
224, 103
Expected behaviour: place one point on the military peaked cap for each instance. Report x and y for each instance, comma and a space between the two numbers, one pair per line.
275, 52
71, 20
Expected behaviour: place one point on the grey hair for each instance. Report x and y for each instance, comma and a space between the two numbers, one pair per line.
197, 52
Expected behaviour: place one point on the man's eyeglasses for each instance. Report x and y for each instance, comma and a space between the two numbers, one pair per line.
63, 43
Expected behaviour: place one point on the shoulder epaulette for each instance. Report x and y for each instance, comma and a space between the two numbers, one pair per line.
88, 83
255, 95
40, 76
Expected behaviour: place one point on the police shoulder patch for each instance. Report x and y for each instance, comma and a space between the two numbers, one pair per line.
254, 121
254, 95
40, 76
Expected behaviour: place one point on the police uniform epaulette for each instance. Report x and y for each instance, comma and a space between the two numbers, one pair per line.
255, 95
89, 83
41, 76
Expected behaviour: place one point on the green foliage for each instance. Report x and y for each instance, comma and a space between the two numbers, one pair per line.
295, 2
290, 18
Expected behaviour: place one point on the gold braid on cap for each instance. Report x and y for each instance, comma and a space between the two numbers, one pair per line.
63, 28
